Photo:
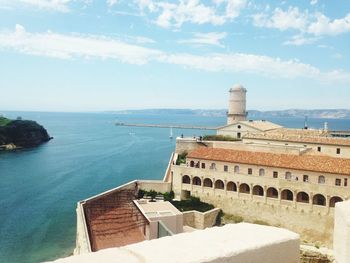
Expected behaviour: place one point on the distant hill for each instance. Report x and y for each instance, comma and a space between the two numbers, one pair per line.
319, 113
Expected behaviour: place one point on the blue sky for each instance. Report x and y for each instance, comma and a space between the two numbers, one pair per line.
92, 55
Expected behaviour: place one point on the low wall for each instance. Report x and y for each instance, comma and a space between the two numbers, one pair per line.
235, 243
200, 220
82, 239
158, 186
342, 232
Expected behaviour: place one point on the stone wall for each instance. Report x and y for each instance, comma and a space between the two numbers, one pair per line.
155, 185
188, 145
200, 220
312, 227
82, 238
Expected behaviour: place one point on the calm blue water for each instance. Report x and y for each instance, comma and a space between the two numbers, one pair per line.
39, 187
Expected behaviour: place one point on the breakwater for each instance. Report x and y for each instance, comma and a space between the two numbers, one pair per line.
191, 127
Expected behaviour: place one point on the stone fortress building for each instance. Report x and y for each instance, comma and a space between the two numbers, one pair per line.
284, 177
266, 174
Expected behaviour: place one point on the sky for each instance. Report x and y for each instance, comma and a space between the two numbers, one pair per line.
97, 55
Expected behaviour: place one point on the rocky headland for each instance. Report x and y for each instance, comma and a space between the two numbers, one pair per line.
16, 134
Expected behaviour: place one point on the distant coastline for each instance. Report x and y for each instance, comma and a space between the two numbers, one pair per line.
316, 113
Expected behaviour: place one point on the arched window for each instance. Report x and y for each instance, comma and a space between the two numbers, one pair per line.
288, 176
258, 190
192, 164
334, 200
186, 179
207, 183
219, 184
231, 186
319, 200
272, 192
236, 169
261, 172
196, 181
244, 188
303, 197
287, 195
321, 179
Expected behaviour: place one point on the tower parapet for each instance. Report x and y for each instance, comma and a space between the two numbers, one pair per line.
237, 104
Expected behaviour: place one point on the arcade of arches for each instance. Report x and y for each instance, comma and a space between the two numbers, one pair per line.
258, 190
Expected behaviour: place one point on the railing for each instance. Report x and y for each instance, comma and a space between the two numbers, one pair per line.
163, 231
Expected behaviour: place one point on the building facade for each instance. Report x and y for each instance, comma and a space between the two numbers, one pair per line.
288, 190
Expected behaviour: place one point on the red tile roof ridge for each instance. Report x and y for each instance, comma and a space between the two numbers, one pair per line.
314, 163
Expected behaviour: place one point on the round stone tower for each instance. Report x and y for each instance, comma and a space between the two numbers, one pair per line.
237, 104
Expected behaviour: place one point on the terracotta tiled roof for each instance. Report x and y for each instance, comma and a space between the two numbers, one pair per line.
322, 164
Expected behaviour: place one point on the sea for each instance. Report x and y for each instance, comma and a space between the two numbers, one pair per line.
39, 187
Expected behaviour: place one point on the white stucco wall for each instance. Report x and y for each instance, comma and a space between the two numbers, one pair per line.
341, 237
237, 243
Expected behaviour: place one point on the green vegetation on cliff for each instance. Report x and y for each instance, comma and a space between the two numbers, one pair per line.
4, 121
22, 133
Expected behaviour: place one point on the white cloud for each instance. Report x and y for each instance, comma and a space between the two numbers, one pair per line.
324, 26
316, 24
300, 40
56, 5
176, 13
112, 2
71, 46
143, 40
313, 2
74, 46
234, 7
282, 20
212, 38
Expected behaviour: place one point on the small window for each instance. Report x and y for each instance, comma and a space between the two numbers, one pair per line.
321, 179
225, 168
261, 172
305, 178
213, 166
239, 126
338, 150
338, 182
346, 182
250, 171
319, 148
203, 165
275, 174
288, 176
238, 135
236, 169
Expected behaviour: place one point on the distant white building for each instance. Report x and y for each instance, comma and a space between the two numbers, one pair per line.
239, 129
